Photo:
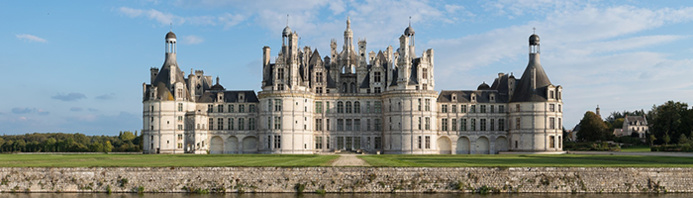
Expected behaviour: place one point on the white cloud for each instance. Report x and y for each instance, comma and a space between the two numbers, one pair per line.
163, 18
230, 20
31, 38
192, 39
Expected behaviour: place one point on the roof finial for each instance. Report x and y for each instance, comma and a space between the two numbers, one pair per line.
409, 21
348, 23
534, 30
287, 20
171, 28
217, 80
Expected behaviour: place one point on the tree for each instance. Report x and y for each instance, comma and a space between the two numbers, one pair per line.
592, 128
669, 121
127, 136
107, 147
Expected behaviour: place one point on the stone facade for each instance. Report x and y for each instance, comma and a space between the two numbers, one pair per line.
346, 179
350, 100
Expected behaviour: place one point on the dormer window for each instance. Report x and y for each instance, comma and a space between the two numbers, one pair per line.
551, 94
454, 97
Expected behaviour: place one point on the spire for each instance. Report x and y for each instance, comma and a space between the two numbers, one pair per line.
217, 80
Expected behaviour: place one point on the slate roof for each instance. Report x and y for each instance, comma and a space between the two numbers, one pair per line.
229, 96
523, 91
464, 96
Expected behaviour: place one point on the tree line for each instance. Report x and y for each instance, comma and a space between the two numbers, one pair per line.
126, 141
669, 123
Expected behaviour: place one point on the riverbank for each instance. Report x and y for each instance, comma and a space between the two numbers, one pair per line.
346, 179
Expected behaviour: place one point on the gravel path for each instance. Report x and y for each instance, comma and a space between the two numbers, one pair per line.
349, 160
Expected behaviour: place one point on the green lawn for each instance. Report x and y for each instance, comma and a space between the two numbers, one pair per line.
639, 149
566, 160
124, 160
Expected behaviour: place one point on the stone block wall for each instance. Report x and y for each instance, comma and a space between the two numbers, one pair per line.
345, 179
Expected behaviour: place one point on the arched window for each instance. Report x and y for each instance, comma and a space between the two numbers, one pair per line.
357, 107
340, 107
353, 87
348, 107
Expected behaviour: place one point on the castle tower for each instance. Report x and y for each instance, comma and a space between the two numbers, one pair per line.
535, 119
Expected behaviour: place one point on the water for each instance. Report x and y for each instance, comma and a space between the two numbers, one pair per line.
343, 195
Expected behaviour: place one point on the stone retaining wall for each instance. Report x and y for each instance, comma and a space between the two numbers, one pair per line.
346, 179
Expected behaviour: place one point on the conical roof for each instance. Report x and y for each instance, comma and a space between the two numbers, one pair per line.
534, 74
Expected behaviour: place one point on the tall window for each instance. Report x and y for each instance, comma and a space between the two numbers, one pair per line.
327, 107
277, 141
454, 124
357, 124
251, 108
517, 123
444, 124
318, 142
220, 108
552, 107
517, 107
552, 140
492, 109
231, 108
444, 108
318, 124
368, 124
420, 122
251, 123
378, 107
368, 107
501, 124
318, 76
376, 76
428, 104
472, 109
241, 108
340, 107
210, 108
340, 124
559, 108
428, 142
241, 123
424, 73
211, 123
482, 124
348, 125
483, 109
428, 123
418, 142
501, 109
180, 106
348, 107
280, 73
277, 122
378, 125
559, 124
552, 123
454, 108
463, 124
492, 125
419, 104
378, 142
357, 107
463, 108
318, 107
473, 125
277, 105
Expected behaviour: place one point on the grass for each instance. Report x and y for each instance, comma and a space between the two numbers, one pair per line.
566, 160
124, 160
638, 149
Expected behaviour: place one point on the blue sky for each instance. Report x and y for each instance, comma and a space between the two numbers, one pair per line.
79, 66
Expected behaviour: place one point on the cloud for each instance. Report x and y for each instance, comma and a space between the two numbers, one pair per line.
230, 20
163, 18
225, 19
31, 38
27, 110
192, 39
106, 96
69, 97
76, 109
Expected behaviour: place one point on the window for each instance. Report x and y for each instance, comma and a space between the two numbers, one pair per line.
428, 104
424, 73
277, 141
501, 124
517, 107
277, 122
348, 125
472, 109
210, 108
378, 107
551, 95
501, 109
559, 108
318, 107
444, 124
552, 123
327, 142
180, 127
348, 107
220, 108
340, 142
419, 104
368, 107
463, 124
231, 107
444, 108
463, 108
473, 125
180, 118
180, 106
340, 124
517, 123
376, 90
552, 142
327, 107
318, 142
454, 108
420, 121
340, 107
180, 136
280, 73
454, 125
378, 141
241, 123
230, 123
482, 124
552, 107
318, 76
428, 123
318, 90
357, 124
211, 123
559, 141
428, 142
251, 123
378, 126
241, 108
559, 125
277, 105
492, 109
376, 77
318, 124
418, 142
357, 107
482, 109
220, 124
251, 108
269, 105
180, 145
